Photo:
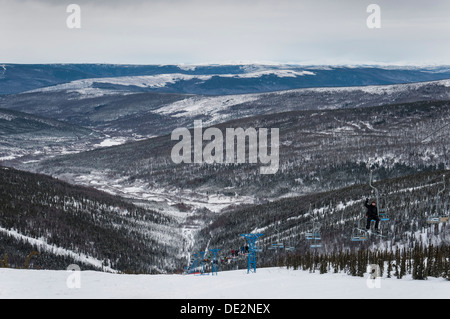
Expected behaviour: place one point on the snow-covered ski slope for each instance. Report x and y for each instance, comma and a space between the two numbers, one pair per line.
266, 283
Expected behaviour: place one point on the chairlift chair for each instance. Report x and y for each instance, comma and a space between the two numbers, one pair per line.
314, 235
316, 243
433, 220
439, 216
289, 247
382, 213
272, 246
278, 244
358, 235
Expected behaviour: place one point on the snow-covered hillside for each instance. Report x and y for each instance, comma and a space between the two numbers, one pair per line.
206, 79
162, 80
266, 283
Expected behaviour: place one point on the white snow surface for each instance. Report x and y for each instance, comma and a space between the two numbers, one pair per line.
266, 283
199, 105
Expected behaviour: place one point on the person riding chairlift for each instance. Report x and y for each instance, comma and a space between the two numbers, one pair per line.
372, 214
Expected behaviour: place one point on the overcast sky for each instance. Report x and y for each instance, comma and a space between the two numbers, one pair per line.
226, 31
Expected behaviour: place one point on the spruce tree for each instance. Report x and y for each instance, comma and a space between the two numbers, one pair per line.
402, 271
419, 268
389, 261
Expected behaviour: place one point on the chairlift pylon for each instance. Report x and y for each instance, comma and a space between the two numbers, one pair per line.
251, 238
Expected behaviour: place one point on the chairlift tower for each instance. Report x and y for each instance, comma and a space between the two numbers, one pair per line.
214, 261
194, 264
251, 238
202, 261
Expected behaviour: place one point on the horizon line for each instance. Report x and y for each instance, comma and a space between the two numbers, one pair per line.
237, 63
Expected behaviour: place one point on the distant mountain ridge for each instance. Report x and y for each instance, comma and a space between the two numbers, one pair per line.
211, 79
147, 114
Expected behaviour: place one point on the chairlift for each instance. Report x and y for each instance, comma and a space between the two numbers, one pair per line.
434, 220
439, 216
272, 246
278, 244
358, 234
289, 247
382, 212
314, 235
316, 244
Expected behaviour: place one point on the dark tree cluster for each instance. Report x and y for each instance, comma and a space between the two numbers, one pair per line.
419, 262
82, 220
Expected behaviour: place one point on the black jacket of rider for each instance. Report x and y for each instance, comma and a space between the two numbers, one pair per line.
372, 210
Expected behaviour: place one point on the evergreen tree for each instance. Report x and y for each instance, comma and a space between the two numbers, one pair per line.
419, 267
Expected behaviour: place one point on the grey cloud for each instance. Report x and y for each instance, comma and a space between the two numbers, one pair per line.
196, 31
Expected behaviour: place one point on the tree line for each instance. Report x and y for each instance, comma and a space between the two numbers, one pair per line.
420, 262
